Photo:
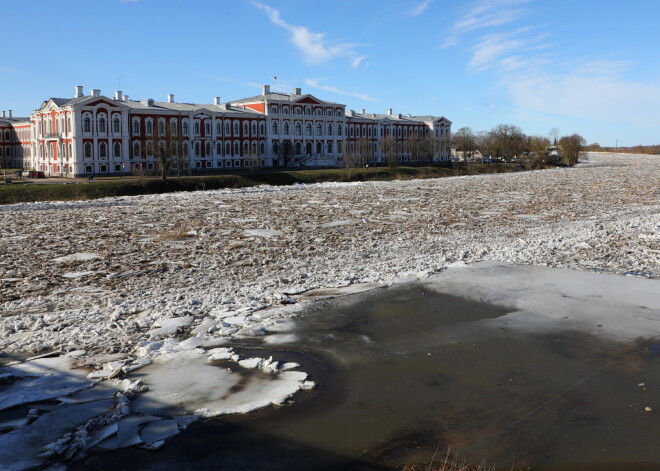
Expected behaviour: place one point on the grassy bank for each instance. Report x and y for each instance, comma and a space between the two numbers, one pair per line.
20, 192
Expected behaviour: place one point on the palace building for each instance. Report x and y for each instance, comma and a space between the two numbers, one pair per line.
98, 135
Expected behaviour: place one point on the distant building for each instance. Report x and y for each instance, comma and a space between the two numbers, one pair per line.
95, 134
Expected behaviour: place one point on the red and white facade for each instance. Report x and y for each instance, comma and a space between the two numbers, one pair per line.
94, 134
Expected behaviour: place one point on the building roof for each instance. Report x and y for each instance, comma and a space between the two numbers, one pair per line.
276, 96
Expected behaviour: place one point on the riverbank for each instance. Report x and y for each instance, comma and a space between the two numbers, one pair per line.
63, 189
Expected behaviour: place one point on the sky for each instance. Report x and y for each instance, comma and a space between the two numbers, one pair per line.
581, 66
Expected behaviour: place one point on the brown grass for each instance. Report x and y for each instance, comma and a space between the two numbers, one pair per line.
448, 463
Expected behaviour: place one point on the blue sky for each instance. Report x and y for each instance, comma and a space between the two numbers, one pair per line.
585, 66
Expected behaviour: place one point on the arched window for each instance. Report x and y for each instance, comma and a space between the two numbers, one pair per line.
198, 150
236, 129
298, 148
286, 129
308, 110
228, 148
208, 149
308, 129
184, 128
296, 110
298, 129
207, 128
218, 148
227, 129
329, 129
150, 148
173, 128
115, 124
161, 128
276, 148
339, 129
352, 130
101, 124
150, 128
218, 128
237, 148
262, 129
196, 127
117, 150
246, 148
275, 130
254, 129
185, 149
318, 148
87, 124
136, 127
273, 109
262, 148
319, 112
136, 149
319, 129
340, 147
245, 129
88, 150
329, 147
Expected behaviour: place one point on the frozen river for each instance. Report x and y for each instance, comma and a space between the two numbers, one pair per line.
134, 284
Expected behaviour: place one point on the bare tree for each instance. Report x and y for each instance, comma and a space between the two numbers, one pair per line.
507, 140
554, 135
572, 148
388, 150
465, 141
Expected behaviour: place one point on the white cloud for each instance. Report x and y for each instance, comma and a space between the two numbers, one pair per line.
421, 8
355, 63
314, 46
315, 83
487, 13
491, 49
595, 90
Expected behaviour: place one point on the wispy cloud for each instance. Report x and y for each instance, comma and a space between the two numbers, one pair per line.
316, 48
420, 8
239, 82
485, 14
492, 49
316, 83
597, 90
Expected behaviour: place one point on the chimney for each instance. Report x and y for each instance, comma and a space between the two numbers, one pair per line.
351, 113
9, 114
389, 111
363, 111
125, 98
170, 98
216, 101
3, 114
118, 95
79, 92
265, 90
150, 102
96, 92
297, 91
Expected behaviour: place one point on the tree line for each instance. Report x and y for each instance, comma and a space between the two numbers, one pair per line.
507, 142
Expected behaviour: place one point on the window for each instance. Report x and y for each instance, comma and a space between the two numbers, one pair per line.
273, 109
308, 129
329, 147
286, 128
262, 149
207, 148
276, 148
150, 149
254, 129
87, 124
275, 130
237, 148
161, 128
218, 129
339, 129
285, 110
298, 129
101, 124
115, 125
104, 168
245, 129
262, 129
296, 110
150, 128
184, 128
228, 149
308, 110
196, 128
173, 128
207, 128
319, 130
227, 129
218, 148
246, 147
339, 147
198, 152
339, 113
318, 112
236, 129
136, 149
89, 169
136, 127
88, 150
318, 148
117, 167
329, 129
117, 150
